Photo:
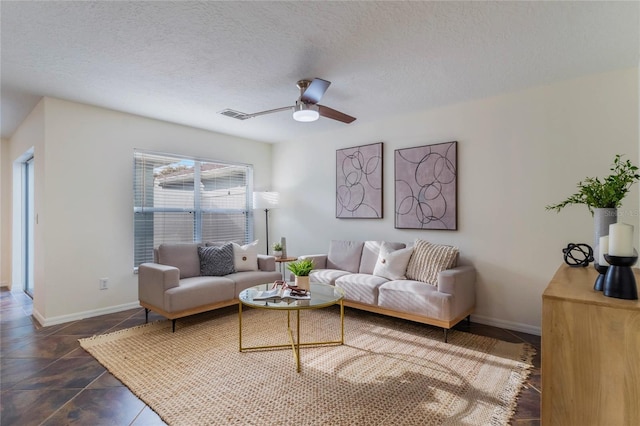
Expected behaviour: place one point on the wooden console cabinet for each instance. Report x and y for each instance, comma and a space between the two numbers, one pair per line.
590, 353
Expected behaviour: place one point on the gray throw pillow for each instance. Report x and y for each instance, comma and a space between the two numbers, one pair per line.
216, 261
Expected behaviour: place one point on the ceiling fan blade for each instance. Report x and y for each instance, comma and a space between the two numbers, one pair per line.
335, 115
271, 111
314, 92
243, 115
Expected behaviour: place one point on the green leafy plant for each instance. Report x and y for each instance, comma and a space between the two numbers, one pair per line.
301, 268
606, 193
277, 247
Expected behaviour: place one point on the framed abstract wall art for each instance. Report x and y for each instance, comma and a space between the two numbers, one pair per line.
359, 182
426, 190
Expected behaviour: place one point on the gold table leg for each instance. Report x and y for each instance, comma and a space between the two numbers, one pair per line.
240, 326
341, 322
293, 344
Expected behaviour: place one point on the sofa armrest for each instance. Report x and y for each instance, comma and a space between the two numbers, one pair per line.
156, 274
319, 260
455, 280
154, 279
460, 282
266, 263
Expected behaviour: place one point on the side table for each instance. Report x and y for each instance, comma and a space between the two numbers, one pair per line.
282, 261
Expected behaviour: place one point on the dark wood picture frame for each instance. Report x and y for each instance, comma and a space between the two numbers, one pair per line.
426, 187
359, 182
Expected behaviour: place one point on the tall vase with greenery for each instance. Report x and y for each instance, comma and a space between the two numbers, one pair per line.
603, 197
301, 269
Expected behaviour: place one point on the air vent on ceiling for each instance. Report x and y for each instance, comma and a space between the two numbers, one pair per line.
234, 114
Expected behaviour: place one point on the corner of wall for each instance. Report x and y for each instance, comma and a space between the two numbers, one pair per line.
5, 216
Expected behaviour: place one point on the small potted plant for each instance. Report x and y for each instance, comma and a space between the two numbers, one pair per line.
301, 269
277, 249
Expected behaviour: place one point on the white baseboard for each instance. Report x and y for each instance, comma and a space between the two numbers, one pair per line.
509, 325
45, 322
480, 319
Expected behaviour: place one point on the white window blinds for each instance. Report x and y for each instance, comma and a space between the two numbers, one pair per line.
183, 200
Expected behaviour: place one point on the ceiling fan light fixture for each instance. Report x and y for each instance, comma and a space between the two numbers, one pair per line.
305, 112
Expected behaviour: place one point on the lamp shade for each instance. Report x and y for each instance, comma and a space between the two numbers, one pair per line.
265, 200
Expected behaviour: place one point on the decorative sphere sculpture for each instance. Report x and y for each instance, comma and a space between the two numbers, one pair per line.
578, 254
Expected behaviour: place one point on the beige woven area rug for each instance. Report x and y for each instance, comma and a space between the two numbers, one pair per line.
388, 372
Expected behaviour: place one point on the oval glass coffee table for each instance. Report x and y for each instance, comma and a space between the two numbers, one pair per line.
322, 296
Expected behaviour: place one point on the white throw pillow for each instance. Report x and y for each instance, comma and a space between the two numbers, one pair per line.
392, 264
245, 258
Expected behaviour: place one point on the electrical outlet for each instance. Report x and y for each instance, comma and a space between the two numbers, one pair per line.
104, 283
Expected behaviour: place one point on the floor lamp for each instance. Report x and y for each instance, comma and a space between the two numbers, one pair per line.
266, 201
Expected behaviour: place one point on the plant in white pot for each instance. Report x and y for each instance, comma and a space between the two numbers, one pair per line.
603, 197
301, 269
277, 249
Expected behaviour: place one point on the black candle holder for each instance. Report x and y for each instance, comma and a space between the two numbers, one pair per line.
602, 270
619, 281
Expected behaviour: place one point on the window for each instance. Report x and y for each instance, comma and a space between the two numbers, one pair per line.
184, 200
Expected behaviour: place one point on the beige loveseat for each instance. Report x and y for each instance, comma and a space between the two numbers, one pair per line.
174, 287
419, 283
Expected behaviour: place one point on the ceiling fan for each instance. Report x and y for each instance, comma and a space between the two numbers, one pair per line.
306, 107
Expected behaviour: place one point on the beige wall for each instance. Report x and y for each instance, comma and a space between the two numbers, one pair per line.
85, 208
517, 153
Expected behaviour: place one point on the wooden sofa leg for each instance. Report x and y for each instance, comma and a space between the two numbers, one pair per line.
445, 335
173, 326
468, 319
146, 315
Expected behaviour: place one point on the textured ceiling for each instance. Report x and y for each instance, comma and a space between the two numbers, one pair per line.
185, 61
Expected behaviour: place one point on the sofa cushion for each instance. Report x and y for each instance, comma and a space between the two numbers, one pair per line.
345, 255
370, 253
415, 297
244, 280
326, 276
182, 256
216, 261
245, 258
392, 264
362, 288
429, 259
198, 291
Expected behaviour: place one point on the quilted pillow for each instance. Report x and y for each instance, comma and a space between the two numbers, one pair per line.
216, 261
391, 263
245, 258
429, 259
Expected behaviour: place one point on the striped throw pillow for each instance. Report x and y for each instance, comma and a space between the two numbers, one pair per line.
429, 259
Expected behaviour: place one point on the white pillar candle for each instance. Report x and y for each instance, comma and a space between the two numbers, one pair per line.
604, 249
620, 239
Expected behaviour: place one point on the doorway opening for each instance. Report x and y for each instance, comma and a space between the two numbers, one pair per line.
24, 221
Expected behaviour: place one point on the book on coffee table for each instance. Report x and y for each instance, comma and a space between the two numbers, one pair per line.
281, 293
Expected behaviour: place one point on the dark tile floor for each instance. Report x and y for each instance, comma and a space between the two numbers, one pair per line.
48, 379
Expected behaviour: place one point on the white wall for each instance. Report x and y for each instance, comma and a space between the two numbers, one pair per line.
87, 204
517, 153
30, 137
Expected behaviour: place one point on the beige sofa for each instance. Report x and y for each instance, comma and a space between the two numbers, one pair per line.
444, 302
173, 286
